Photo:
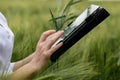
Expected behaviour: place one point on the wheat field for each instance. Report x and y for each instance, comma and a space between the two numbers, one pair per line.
95, 57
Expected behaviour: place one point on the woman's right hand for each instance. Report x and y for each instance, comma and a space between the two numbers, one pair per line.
44, 47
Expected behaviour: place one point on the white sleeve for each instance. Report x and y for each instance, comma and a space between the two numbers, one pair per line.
10, 68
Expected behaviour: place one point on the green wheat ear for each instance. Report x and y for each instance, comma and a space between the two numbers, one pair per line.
63, 17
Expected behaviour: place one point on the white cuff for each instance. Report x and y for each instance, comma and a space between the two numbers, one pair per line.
10, 69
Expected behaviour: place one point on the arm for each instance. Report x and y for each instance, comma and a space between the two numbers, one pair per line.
22, 62
40, 58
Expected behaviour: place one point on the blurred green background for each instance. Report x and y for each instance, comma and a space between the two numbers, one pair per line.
94, 57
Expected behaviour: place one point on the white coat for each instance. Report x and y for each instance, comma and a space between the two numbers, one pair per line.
6, 46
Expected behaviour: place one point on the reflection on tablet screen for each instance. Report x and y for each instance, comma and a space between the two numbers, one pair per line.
79, 20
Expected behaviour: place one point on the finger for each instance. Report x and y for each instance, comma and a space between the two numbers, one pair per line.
53, 38
46, 34
53, 49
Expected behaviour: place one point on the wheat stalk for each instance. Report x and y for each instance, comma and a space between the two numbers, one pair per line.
61, 19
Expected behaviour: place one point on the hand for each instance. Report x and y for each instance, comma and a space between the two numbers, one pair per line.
44, 47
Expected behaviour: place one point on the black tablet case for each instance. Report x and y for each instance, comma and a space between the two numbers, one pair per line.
90, 22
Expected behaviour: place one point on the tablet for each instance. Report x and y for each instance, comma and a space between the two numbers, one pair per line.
84, 23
